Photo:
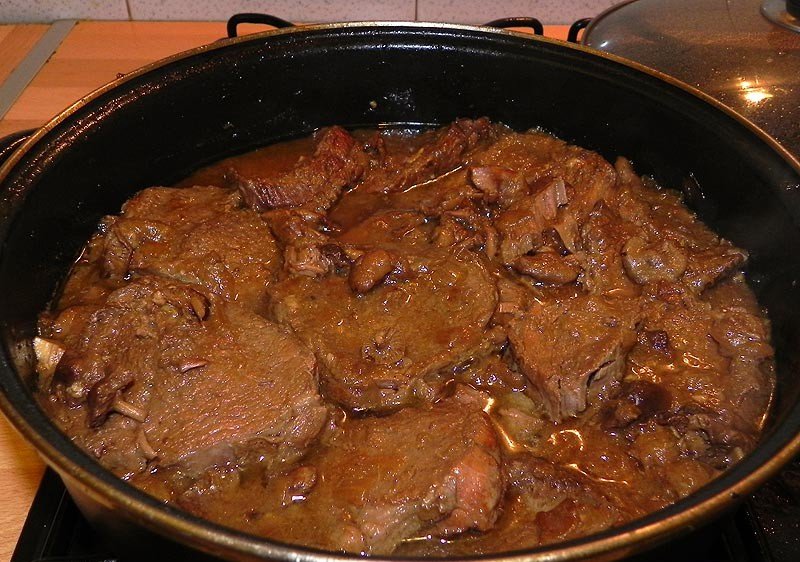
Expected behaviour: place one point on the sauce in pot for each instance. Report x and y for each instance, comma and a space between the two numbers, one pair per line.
467, 340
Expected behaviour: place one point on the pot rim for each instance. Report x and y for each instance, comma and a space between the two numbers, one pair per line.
194, 531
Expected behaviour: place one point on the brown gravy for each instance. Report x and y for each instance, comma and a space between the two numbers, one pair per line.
466, 341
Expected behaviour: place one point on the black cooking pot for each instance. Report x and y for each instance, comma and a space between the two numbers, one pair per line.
156, 125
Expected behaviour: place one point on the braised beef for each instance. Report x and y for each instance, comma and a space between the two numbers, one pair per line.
541, 184
379, 349
442, 152
164, 373
361, 492
672, 244
198, 235
315, 182
464, 341
548, 267
564, 347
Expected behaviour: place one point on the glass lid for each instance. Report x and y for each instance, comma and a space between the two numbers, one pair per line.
745, 53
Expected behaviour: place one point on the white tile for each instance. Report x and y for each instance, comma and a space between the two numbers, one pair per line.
292, 10
481, 11
14, 11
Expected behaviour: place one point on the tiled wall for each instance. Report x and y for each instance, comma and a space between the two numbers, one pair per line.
462, 11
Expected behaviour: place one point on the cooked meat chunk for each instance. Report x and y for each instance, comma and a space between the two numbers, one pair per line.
737, 330
719, 352
315, 182
548, 267
444, 151
462, 341
564, 347
379, 348
602, 242
445, 480
568, 503
466, 228
671, 243
742, 335
709, 436
183, 377
196, 235
381, 480
301, 235
535, 183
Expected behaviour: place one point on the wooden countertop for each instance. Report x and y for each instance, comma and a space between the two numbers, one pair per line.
20, 467
92, 54
15, 42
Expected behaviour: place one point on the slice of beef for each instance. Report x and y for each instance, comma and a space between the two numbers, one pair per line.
565, 346
315, 182
717, 346
181, 377
567, 502
645, 236
89, 282
527, 212
506, 169
603, 240
710, 436
672, 243
450, 479
301, 234
709, 355
534, 183
742, 333
520, 226
739, 329
442, 151
381, 480
196, 235
380, 348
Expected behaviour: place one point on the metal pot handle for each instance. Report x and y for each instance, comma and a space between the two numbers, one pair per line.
265, 19
268, 19
575, 28
532, 23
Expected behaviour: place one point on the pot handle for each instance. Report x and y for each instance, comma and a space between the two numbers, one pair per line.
9, 144
265, 19
533, 23
575, 28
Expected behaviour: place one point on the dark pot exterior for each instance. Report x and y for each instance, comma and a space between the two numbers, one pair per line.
156, 125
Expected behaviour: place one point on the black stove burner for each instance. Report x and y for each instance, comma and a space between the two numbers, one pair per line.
56, 530
766, 528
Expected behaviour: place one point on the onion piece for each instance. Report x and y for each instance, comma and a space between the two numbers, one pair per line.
147, 449
127, 409
48, 354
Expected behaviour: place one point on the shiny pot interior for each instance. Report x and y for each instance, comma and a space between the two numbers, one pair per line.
157, 125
